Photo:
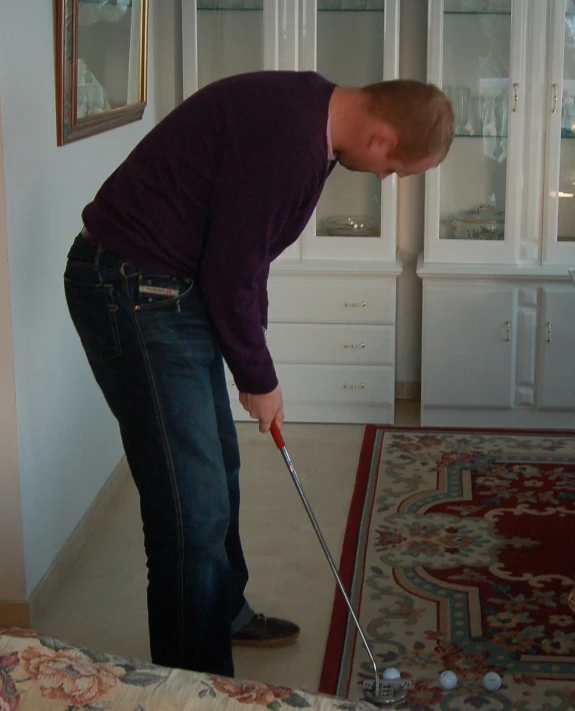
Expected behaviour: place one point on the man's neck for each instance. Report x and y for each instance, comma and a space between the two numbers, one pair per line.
347, 117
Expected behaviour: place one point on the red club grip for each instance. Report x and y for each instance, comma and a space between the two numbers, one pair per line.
277, 435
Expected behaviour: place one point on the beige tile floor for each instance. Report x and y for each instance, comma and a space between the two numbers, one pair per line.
102, 601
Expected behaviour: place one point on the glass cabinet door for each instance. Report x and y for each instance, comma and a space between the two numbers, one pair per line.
230, 38
473, 199
559, 220
221, 38
352, 43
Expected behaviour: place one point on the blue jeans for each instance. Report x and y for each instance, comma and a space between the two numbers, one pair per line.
152, 351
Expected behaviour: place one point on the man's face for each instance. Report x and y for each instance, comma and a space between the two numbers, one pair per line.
378, 162
404, 169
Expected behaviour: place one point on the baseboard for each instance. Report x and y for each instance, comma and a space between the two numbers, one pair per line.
407, 390
15, 614
26, 614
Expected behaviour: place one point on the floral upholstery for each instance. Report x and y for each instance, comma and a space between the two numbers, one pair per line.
42, 673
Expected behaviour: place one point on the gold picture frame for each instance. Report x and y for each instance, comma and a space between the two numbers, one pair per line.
101, 65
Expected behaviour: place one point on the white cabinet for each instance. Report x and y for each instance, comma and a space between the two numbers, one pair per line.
468, 345
499, 307
333, 293
332, 338
497, 350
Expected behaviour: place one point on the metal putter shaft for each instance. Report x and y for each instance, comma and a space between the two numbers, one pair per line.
279, 440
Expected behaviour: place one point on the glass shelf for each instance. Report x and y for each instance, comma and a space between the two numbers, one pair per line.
486, 13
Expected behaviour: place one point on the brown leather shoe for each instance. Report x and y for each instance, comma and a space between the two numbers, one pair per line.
262, 631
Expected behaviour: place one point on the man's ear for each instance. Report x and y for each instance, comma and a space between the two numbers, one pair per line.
383, 138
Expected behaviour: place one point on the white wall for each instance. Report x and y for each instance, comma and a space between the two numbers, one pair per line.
68, 442
12, 581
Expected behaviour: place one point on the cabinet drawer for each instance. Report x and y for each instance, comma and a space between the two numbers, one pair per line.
338, 384
332, 343
332, 300
316, 393
343, 384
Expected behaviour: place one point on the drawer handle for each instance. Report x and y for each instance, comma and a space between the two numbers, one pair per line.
507, 331
361, 386
354, 345
549, 326
355, 304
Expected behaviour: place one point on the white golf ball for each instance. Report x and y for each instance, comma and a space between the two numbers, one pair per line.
391, 673
447, 680
492, 681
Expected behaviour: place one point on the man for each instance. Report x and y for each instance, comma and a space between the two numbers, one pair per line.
170, 273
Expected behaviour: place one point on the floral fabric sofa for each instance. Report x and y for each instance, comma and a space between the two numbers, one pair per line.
41, 673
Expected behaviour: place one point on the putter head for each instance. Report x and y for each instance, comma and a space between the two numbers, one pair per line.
389, 691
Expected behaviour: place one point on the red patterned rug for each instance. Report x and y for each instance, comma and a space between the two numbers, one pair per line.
460, 554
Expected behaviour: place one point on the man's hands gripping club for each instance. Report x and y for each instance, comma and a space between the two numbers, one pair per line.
265, 408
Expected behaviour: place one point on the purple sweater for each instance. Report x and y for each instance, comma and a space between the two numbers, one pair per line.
218, 190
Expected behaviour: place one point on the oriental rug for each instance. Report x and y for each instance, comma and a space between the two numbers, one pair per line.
459, 554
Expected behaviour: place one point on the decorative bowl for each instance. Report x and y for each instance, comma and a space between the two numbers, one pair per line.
483, 222
352, 226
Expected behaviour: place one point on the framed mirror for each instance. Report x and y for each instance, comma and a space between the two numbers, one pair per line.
101, 65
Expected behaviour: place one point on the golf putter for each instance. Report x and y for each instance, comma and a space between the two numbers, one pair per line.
380, 691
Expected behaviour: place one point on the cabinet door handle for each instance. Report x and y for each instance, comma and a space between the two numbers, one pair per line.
515, 109
549, 326
355, 304
361, 386
555, 86
354, 345
507, 331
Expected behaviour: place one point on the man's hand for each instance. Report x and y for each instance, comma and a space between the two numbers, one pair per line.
265, 408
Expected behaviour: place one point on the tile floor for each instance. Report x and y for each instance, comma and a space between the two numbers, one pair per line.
102, 601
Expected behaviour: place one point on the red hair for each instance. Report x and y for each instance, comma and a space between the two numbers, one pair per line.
420, 113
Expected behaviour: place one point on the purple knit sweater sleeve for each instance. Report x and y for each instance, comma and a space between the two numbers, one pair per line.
259, 207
